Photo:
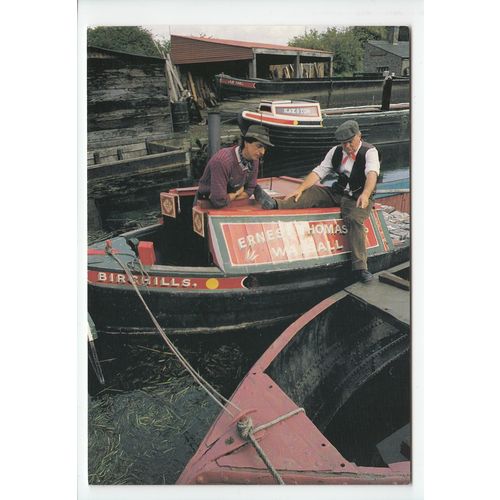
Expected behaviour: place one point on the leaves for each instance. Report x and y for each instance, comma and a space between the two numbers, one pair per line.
347, 45
130, 39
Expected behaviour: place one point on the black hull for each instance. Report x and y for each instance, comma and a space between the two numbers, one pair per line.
276, 303
341, 91
298, 150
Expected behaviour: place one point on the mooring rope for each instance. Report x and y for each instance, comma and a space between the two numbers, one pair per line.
247, 431
244, 425
209, 389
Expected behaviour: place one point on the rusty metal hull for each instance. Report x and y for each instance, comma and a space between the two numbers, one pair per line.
317, 364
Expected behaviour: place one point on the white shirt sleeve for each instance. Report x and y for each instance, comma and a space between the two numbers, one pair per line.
325, 167
372, 161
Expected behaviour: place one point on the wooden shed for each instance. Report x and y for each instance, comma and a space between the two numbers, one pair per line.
127, 104
210, 56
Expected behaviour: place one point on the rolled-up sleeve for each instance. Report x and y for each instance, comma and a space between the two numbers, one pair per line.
218, 185
325, 167
372, 161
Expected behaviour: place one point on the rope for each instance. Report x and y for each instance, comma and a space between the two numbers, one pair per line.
210, 390
245, 426
247, 431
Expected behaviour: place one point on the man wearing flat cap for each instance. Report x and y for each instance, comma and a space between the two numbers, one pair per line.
357, 164
231, 173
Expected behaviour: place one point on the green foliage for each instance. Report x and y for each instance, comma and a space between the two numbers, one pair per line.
347, 45
131, 39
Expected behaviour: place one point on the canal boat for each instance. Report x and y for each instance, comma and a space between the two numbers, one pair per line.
328, 402
302, 132
360, 89
203, 271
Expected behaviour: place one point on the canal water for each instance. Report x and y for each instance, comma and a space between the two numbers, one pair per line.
149, 417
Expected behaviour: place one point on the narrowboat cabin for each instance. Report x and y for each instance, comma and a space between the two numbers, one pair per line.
202, 270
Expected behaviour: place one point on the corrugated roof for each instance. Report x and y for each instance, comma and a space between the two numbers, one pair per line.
250, 45
401, 49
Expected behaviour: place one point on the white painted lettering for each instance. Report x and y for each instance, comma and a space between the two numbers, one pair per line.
241, 243
321, 247
101, 277
278, 252
260, 238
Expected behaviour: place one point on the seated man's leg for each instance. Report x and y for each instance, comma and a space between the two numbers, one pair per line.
314, 197
354, 219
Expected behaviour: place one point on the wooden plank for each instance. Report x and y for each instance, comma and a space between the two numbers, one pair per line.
392, 279
193, 88
135, 166
391, 302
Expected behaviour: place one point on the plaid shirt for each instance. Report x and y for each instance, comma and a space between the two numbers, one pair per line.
225, 173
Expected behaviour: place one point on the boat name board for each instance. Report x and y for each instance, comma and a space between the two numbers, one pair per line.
298, 110
287, 242
237, 83
179, 282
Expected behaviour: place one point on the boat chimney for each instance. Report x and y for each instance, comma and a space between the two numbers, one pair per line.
386, 91
213, 132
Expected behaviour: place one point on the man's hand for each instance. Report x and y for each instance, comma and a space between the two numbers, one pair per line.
362, 201
234, 196
296, 194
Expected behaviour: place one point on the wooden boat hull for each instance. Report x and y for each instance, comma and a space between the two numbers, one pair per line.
305, 379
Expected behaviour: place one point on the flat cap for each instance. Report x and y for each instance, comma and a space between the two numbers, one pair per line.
346, 131
260, 133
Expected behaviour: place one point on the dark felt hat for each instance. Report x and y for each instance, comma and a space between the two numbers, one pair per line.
346, 131
260, 133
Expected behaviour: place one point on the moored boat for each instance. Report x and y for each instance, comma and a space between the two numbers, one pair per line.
327, 403
360, 89
302, 133
202, 270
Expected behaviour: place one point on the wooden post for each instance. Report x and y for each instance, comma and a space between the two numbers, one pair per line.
386, 93
94, 220
252, 67
296, 69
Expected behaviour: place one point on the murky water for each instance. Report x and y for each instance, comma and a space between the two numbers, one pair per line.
150, 416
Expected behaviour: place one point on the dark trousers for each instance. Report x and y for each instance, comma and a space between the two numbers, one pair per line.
354, 217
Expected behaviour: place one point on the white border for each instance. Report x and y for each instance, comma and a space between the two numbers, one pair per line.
341, 12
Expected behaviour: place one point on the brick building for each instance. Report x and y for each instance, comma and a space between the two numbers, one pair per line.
391, 55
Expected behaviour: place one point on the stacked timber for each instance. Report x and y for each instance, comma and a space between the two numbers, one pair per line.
202, 92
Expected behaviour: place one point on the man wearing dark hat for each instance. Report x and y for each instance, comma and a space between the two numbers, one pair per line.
357, 164
231, 173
